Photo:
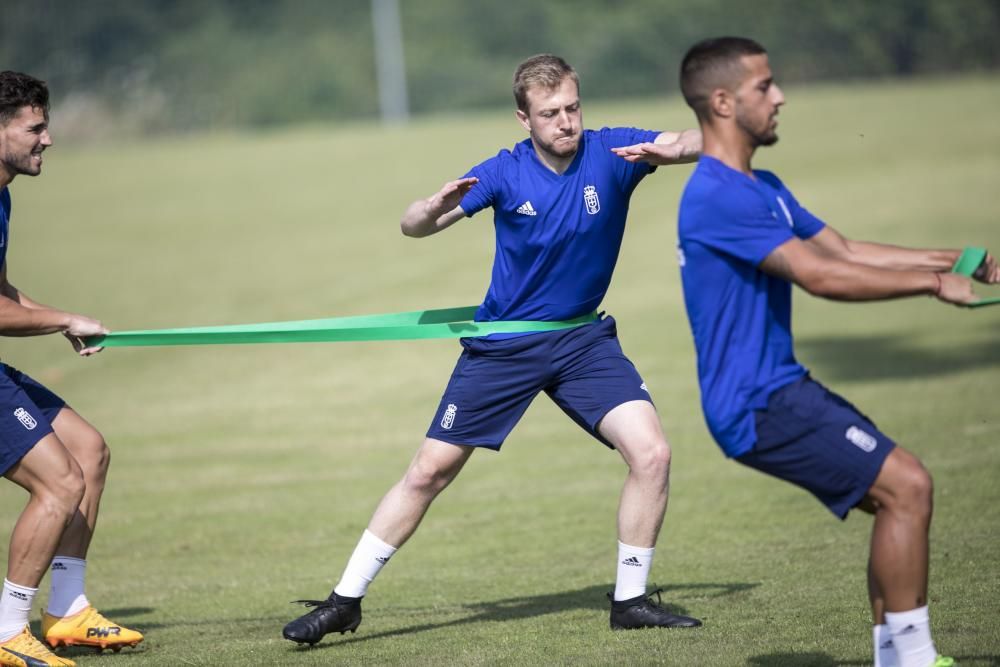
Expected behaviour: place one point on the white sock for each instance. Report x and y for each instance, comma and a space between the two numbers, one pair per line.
633, 571
66, 596
885, 650
15, 606
911, 633
368, 558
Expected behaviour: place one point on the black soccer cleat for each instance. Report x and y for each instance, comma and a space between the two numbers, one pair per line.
642, 612
335, 614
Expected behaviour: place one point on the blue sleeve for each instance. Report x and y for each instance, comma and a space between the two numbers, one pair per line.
483, 194
804, 224
738, 222
628, 173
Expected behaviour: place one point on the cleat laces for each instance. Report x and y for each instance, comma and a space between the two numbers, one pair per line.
319, 604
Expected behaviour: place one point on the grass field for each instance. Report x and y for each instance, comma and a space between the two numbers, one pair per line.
243, 475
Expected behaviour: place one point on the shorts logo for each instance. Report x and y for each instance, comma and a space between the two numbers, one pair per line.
860, 439
681, 259
591, 200
449, 417
643, 387
26, 420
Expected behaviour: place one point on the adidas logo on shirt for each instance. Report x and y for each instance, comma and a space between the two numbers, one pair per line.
527, 209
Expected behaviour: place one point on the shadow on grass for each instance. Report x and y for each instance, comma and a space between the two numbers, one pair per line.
591, 598
859, 358
813, 659
806, 659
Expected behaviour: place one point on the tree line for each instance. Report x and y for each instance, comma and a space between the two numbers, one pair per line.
165, 65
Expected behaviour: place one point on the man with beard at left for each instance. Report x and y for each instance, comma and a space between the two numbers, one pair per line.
46, 447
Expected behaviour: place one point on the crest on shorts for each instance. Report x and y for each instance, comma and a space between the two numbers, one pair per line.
26, 420
449, 417
591, 200
860, 439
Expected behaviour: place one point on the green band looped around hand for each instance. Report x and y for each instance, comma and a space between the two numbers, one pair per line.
969, 261
966, 265
414, 325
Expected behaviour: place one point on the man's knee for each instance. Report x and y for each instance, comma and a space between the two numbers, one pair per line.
88, 447
650, 457
917, 486
434, 467
909, 484
94, 456
61, 493
427, 478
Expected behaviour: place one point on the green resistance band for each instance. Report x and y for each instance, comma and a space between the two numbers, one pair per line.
418, 324
966, 265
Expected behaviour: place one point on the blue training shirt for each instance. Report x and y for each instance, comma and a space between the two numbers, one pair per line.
740, 316
557, 235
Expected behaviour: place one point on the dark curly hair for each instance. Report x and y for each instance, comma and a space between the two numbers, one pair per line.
19, 90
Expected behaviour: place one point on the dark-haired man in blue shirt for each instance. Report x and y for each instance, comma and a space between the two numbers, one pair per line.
744, 239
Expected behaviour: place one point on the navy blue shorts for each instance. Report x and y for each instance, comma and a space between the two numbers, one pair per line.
27, 410
582, 369
817, 440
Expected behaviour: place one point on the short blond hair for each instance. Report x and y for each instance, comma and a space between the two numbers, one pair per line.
543, 71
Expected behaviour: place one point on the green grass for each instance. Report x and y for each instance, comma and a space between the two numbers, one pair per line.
243, 476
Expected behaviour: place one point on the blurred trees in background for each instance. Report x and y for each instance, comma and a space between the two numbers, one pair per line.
164, 65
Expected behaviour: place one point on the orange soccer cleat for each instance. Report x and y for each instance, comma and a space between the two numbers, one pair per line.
24, 650
87, 628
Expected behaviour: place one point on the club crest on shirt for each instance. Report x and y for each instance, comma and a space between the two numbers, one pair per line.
591, 200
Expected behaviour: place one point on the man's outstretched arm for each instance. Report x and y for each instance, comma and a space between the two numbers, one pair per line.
879, 255
824, 275
668, 148
439, 211
20, 316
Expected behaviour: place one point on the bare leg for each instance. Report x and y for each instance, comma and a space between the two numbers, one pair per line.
433, 468
396, 518
634, 429
902, 500
55, 484
875, 597
87, 446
